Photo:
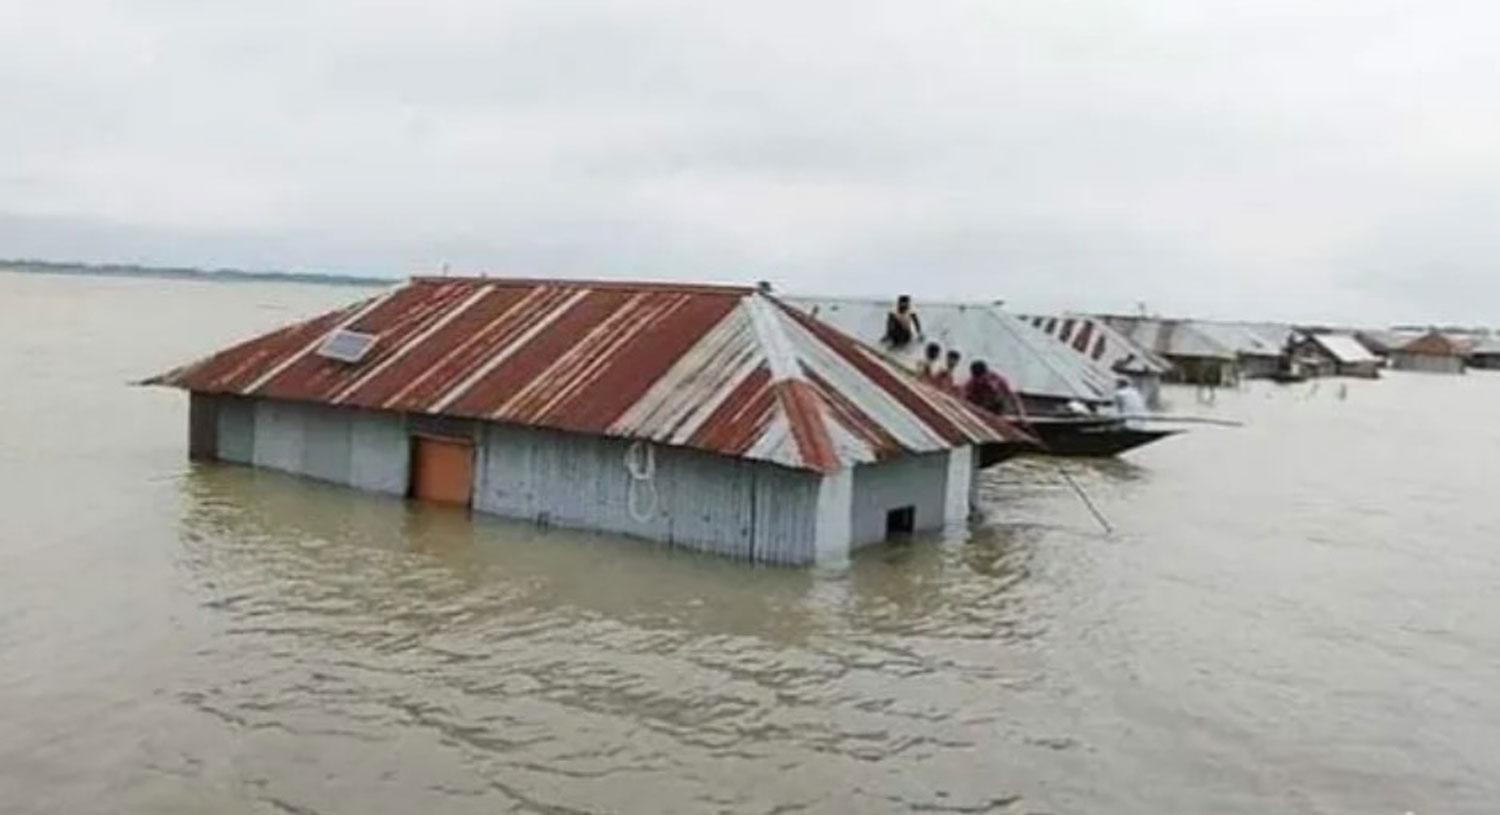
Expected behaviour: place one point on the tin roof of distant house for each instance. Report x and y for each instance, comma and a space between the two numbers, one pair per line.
1381, 341
1488, 345
1100, 343
724, 369
1033, 363
1171, 338
1344, 348
1433, 343
1248, 339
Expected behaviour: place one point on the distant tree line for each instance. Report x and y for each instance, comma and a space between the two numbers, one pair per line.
184, 272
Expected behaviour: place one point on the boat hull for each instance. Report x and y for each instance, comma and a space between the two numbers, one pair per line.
1084, 438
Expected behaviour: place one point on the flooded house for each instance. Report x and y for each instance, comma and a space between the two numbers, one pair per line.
1196, 357
1206, 352
1433, 352
1046, 375
1103, 346
712, 417
1328, 354
1260, 349
1485, 353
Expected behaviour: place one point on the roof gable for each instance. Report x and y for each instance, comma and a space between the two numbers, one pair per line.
1100, 343
1433, 343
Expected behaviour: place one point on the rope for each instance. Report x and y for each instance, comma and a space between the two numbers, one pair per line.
1077, 489
640, 462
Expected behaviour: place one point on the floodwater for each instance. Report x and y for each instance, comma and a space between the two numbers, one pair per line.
1298, 616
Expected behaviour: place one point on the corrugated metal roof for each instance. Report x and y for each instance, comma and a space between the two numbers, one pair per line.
1246, 339
1345, 348
1171, 338
1266, 339
1434, 343
723, 369
1488, 344
1033, 362
1099, 343
1382, 341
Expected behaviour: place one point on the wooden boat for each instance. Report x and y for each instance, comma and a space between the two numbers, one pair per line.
1076, 437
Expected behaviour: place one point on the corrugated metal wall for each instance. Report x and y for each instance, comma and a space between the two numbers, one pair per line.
358, 448
739, 508
236, 429
1426, 363
379, 453
203, 427
916, 481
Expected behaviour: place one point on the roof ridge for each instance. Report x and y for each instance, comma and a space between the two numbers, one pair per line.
585, 283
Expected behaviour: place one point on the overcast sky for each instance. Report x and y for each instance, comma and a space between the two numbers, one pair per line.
1328, 159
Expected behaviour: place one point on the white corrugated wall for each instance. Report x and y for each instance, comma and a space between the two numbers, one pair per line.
739, 508
357, 448
745, 509
914, 481
1426, 363
236, 422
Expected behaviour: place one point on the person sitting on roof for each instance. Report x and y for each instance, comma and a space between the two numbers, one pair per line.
901, 325
991, 391
930, 368
948, 379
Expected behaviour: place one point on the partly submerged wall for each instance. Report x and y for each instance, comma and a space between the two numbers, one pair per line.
359, 448
737, 507
1427, 363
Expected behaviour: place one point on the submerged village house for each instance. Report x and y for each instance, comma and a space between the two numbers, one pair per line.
1204, 352
1485, 353
1325, 354
1197, 359
1101, 345
1433, 352
713, 417
1047, 376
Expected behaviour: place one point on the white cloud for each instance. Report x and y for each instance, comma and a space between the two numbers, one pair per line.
1278, 158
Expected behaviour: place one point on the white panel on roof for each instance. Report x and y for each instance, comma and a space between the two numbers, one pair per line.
346, 346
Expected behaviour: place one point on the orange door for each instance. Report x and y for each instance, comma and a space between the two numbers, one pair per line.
442, 470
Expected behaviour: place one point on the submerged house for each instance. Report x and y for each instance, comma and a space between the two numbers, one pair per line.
712, 417
1102, 346
1045, 374
1259, 348
1324, 354
1204, 352
1196, 357
1433, 352
1485, 353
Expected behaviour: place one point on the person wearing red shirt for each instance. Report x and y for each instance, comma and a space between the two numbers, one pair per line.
991, 391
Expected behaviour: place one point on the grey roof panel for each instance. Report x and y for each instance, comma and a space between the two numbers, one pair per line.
1035, 364
1345, 348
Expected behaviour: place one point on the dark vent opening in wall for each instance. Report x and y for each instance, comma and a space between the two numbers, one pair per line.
900, 522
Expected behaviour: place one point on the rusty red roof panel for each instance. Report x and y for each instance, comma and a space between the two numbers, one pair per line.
723, 369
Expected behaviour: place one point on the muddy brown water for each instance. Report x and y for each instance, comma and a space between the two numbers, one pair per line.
1298, 616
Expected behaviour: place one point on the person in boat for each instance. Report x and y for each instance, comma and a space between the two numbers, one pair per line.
1129, 402
901, 325
991, 391
931, 366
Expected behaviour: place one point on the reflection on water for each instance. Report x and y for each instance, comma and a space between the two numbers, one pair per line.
1291, 617
530, 656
